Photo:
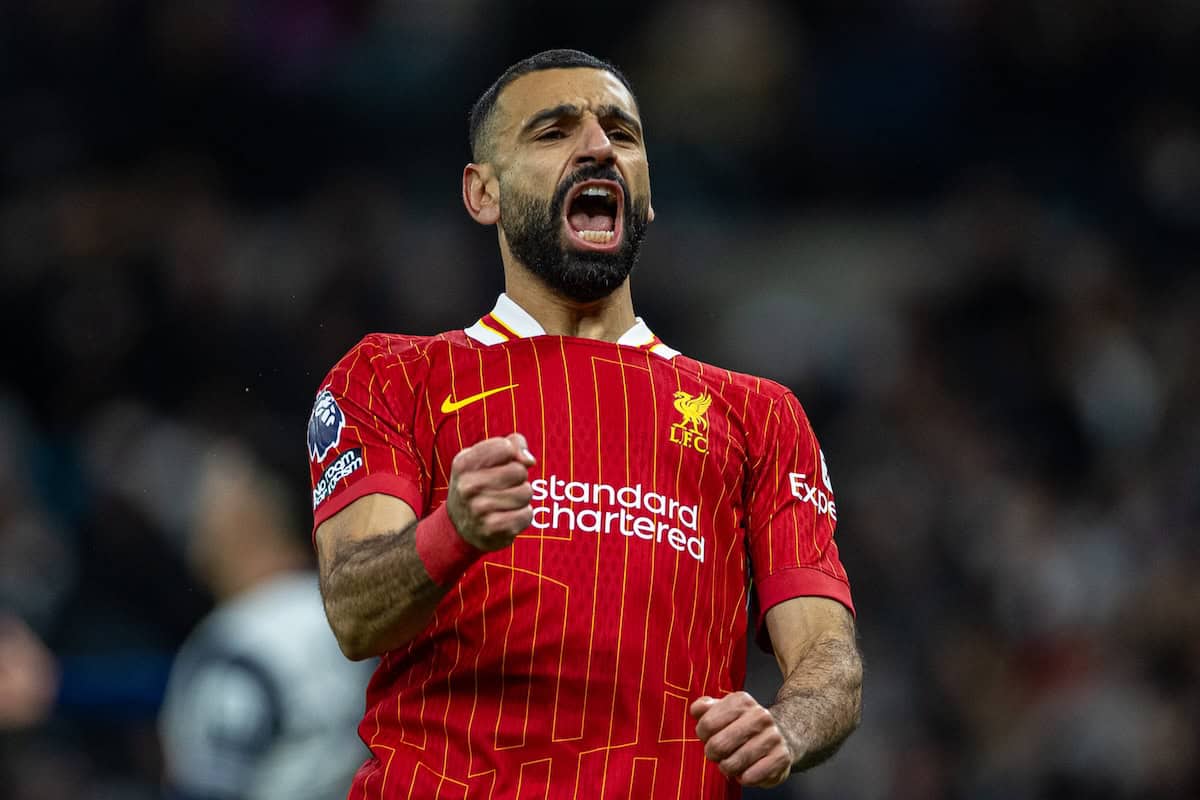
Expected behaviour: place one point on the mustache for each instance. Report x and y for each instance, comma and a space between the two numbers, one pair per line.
588, 172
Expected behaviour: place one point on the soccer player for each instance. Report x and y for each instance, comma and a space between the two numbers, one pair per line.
549, 523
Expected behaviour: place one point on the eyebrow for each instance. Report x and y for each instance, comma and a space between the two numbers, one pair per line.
572, 111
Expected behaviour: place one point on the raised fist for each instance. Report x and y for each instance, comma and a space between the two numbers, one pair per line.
490, 492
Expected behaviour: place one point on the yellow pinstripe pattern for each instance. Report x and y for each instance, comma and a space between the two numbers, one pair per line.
350, 369
509, 594
814, 455
649, 376
686, 685
733, 612
541, 541
488, 773
664, 734
587, 681
570, 477
461, 602
441, 776
521, 775
510, 554
633, 775
771, 413
667, 678
483, 616
376, 743
512, 572
426, 397
733, 545
695, 573
612, 712
387, 768
429, 408
411, 676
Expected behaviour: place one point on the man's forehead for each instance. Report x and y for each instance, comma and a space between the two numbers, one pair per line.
584, 87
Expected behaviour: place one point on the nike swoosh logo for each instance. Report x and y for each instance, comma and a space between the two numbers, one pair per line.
450, 405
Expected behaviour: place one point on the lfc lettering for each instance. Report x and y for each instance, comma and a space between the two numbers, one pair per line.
685, 437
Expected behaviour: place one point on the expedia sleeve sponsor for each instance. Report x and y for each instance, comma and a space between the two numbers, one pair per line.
815, 496
346, 464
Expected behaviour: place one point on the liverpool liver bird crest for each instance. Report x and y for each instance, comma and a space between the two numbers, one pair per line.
693, 408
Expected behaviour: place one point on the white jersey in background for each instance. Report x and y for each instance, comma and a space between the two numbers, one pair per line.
261, 704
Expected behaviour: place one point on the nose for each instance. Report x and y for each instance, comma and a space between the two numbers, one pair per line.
594, 144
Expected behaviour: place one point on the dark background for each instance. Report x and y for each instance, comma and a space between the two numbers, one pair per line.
964, 232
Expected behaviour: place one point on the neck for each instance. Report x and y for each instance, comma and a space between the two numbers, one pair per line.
605, 319
252, 569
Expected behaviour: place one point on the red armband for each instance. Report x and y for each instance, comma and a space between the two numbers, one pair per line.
444, 552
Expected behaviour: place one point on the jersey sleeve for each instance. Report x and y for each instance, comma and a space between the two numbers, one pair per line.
360, 437
791, 516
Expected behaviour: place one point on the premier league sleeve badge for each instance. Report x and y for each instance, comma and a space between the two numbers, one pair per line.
324, 426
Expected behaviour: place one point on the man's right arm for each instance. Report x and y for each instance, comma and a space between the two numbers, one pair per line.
376, 558
376, 590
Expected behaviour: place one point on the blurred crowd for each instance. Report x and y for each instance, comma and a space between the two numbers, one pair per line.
964, 232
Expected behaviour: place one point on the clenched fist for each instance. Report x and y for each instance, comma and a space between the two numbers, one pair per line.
743, 739
490, 492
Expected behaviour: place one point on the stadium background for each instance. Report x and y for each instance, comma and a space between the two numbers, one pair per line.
963, 231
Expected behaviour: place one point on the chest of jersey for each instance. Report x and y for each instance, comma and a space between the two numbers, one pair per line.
638, 509
626, 597
625, 442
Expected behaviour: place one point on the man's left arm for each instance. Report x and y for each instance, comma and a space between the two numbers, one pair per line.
817, 707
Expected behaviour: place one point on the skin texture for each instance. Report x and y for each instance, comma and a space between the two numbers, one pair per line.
377, 593
817, 707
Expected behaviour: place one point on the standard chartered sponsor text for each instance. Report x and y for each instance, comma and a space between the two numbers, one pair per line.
627, 510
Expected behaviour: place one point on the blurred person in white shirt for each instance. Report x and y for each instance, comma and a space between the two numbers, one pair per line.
261, 703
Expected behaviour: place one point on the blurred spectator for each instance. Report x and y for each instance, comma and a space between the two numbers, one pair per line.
261, 704
28, 676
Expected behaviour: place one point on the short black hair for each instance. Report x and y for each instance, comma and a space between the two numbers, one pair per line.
481, 112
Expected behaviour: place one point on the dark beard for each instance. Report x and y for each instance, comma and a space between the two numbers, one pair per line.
535, 237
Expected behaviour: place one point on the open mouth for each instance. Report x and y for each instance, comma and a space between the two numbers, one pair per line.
594, 210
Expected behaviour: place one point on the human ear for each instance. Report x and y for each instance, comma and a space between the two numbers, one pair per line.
481, 193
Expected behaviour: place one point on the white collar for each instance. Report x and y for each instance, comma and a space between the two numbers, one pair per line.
507, 320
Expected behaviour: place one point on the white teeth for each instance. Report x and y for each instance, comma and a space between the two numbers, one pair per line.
596, 191
599, 237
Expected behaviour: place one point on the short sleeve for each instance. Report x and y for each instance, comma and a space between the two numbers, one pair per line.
360, 438
791, 515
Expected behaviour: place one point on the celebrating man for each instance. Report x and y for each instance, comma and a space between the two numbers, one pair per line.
549, 524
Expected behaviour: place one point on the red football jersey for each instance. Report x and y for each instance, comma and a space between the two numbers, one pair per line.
563, 666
